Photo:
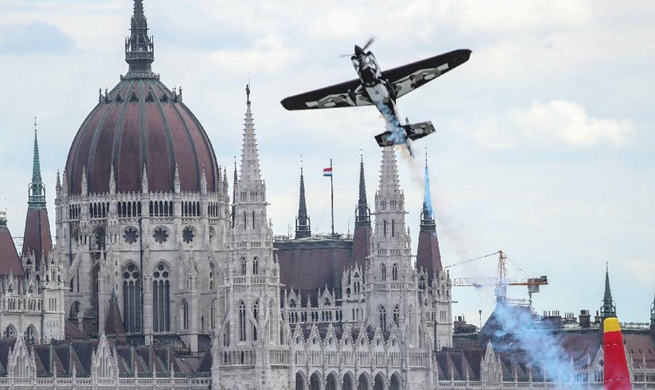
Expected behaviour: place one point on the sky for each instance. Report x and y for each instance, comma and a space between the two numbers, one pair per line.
544, 147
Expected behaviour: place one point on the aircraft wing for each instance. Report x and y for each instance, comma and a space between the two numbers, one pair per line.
407, 78
330, 97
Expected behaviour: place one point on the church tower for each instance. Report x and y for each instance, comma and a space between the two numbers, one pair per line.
249, 313
37, 241
362, 234
391, 285
434, 282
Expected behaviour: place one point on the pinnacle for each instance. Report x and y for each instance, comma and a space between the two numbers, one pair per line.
250, 172
389, 183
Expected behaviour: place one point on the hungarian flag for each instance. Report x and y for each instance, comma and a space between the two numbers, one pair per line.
327, 172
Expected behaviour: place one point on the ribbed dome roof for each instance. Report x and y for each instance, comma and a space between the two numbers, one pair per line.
141, 122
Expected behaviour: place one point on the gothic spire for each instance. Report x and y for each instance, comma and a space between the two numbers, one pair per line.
303, 226
362, 213
139, 47
37, 189
652, 314
427, 215
249, 155
389, 183
608, 309
234, 191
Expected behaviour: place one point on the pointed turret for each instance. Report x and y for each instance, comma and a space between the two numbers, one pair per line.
249, 208
114, 327
362, 234
36, 189
139, 47
303, 225
608, 309
249, 155
363, 212
652, 319
37, 238
389, 203
428, 256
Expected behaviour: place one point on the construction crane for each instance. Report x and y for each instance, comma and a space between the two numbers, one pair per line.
501, 281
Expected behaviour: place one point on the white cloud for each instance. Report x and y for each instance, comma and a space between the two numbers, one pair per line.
557, 123
643, 270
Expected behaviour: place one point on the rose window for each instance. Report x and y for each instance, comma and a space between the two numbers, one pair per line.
187, 235
160, 235
131, 235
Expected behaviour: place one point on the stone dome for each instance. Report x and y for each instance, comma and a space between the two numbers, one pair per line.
141, 122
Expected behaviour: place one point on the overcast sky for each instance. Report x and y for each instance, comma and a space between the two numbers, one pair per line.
545, 144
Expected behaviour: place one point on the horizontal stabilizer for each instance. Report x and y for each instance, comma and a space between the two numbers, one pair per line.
413, 132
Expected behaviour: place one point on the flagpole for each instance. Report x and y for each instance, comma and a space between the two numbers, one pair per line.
332, 195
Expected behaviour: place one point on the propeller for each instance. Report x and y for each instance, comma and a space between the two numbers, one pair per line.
368, 43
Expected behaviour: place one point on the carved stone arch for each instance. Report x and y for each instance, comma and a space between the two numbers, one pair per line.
10, 332
104, 363
395, 382
316, 381
380, 381
348, 381
20, 363
332, 381
364, 381
31, 335
301, 380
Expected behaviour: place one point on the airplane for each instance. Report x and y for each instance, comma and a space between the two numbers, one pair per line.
616, 374
375, 87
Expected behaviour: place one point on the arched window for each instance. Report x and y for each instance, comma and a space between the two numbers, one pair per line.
384, 223
393, 228
396, 315
253, 219
211, 276
185, 314
242, 322
384, 272
74, 311
255, 313
30, 335
244, 266
132, 299
212, 321
255, 266
10, 332
245, 220
394, 272
161, 299
383, 319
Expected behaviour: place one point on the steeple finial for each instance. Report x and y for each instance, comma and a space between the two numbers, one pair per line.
303, 226
36, 198
248, 92
608, 309
250, 172
139, 47
363, 212
427, 215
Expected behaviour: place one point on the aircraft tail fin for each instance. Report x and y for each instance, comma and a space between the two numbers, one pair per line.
616, 371
412, 131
